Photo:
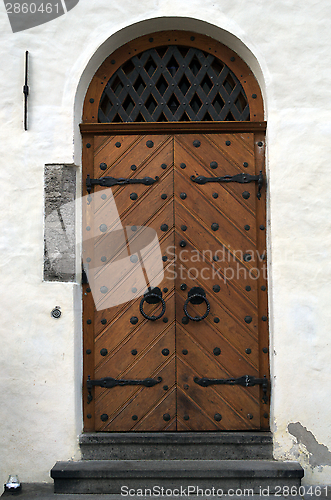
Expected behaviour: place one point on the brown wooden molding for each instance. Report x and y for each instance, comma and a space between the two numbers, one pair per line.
171, 128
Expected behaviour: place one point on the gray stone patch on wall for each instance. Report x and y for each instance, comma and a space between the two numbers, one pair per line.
318, 453
59, 228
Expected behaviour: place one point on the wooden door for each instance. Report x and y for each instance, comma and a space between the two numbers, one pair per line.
210, 236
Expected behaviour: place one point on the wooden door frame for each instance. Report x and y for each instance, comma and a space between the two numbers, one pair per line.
90, 128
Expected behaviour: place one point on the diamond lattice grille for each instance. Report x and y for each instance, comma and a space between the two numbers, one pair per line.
173, 84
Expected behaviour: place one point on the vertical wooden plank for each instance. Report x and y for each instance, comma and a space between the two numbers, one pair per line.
259, 145
88, 303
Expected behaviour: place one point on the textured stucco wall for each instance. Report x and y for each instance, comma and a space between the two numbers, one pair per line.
287, 45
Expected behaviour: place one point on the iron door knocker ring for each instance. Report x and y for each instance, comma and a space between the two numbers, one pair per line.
152, 296
196, 295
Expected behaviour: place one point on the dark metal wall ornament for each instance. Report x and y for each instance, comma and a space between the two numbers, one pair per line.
173, 84
26, 90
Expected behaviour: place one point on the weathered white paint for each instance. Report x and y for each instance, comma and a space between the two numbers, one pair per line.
286, 43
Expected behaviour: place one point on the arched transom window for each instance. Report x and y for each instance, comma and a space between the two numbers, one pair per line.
173, 83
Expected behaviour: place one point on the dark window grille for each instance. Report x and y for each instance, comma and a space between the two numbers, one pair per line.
173, 83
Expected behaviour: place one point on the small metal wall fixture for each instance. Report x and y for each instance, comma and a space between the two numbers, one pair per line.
56, 312
26, 91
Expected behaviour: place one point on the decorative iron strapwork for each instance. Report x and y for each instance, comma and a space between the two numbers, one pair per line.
241, 178
110, 382
173, 83
244, 381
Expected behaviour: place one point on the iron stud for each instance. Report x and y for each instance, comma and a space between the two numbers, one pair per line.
134, 320
217, 351
166, 417
182, 243
165, 352
248, 319
246, 195
103, 166
164, 227
163, 196
103, 352
183, 196
133, 196
215, 226
217, 417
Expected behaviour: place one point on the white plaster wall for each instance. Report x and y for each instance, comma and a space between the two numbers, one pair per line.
286, 42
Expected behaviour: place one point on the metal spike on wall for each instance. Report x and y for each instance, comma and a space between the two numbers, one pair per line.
26, 91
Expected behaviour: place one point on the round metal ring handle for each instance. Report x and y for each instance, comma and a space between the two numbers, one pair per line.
160, 299
196, 318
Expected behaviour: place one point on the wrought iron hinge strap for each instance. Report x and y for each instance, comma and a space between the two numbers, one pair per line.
241, 178
109, 383
111, 181
245, 381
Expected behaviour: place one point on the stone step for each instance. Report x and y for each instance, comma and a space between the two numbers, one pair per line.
124, 476
176, 446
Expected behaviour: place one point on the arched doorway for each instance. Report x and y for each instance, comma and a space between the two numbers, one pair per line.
187, 342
